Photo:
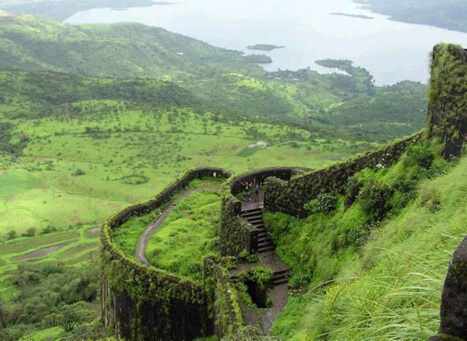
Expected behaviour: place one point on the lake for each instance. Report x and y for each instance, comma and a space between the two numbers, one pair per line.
391, 51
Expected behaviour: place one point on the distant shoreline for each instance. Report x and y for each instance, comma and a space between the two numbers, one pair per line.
359, 16
264, 47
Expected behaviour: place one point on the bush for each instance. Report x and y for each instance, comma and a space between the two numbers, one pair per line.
48, 229
248, 333
260, 275
11, 235
324, 203
422, 155
79, 172
31, 232
374, 198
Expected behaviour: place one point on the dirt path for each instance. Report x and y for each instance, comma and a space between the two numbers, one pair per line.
43, 252
144, 238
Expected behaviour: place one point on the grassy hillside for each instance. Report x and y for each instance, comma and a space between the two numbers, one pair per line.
374, 269
120, 50
223, 79
448, 14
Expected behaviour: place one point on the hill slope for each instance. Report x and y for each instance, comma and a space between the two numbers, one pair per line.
366, 279
448, 14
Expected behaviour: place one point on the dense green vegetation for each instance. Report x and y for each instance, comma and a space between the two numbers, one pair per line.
372, 265
448, 14
50, 283
376, 114
221, 79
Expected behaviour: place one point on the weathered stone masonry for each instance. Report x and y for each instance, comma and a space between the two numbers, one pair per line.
447, 116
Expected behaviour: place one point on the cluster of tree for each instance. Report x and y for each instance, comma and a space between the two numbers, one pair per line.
52, 295
6, 145
357, 80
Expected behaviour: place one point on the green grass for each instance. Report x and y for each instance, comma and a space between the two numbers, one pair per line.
44, 335
387, 288
52, 195
193, 224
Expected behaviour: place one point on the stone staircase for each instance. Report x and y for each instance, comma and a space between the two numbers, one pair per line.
255, 217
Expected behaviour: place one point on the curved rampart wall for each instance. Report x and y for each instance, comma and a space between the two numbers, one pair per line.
145, 303
290, 196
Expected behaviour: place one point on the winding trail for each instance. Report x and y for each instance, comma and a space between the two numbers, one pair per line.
144, 238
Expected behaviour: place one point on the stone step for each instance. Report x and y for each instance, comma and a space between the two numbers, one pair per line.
264, 237
282, 273
252, 211
281, 280
253, 214
281, 277
266, 248
256, 221
264, 243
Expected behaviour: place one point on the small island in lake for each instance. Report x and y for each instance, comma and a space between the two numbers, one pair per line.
360, 16
258, 59
264, 47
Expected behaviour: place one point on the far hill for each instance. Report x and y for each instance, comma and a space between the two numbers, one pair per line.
224, 80
450, 14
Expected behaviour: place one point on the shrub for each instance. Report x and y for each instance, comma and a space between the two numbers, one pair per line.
422, 155
31, 232
260, 274
11, 235
325, 203
49, 229
248, 333
79, 172
374, 198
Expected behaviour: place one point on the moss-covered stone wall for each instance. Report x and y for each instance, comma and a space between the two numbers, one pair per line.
290, 196
447, 116
233, 235
227, 309
145, 303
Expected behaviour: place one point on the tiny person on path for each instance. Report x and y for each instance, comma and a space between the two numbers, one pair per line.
246, 192
257, 188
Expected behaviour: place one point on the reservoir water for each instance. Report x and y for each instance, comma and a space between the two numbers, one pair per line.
391, 51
